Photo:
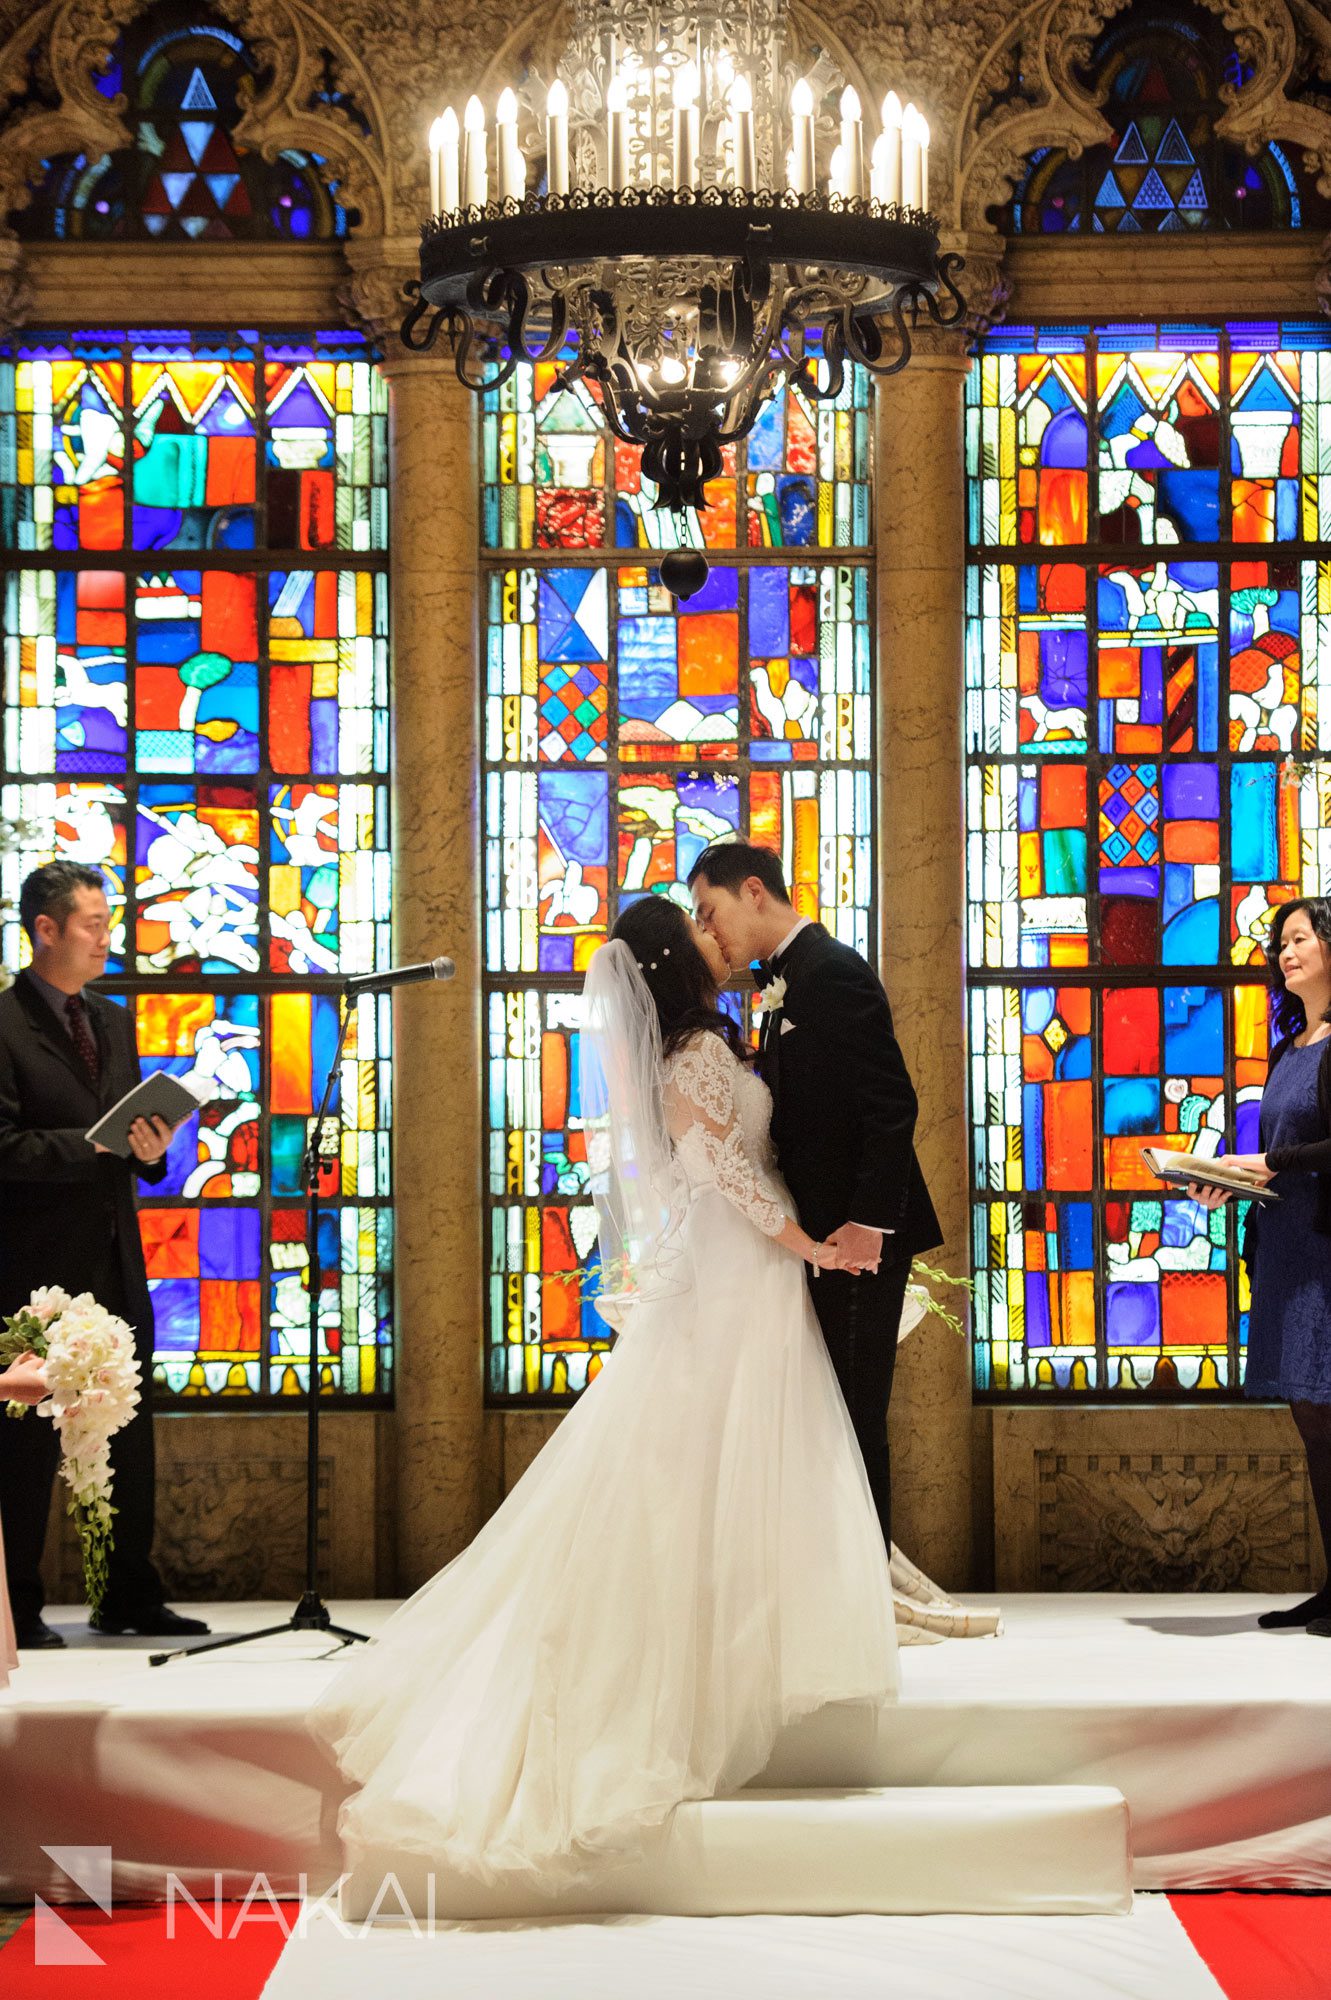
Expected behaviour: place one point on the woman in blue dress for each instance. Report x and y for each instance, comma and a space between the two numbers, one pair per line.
1287, 1246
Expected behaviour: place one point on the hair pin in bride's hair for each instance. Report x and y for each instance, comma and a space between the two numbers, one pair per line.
665, 951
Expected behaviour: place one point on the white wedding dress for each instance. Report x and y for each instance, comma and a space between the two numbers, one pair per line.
692, 1561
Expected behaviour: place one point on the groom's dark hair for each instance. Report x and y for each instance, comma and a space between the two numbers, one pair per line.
731, 862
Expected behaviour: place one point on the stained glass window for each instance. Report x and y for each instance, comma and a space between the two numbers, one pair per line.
1148, 713
186, 176
623, 732
196, 702
1166, 76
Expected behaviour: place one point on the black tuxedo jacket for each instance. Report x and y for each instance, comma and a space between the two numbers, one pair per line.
843, 1105
67, 1213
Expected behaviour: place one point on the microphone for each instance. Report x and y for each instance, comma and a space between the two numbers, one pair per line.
399, 975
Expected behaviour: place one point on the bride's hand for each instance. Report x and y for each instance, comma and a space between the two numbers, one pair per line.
825, 1257
24, 1381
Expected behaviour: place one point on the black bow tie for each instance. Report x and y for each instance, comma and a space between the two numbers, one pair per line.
765, 971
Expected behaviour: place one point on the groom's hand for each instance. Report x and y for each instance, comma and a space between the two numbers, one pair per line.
858, 1248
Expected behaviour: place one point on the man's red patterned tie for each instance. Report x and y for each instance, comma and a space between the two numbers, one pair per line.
84, 1039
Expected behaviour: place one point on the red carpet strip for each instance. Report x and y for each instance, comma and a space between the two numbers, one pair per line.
138, 1960
1262, 1947
1257, 1947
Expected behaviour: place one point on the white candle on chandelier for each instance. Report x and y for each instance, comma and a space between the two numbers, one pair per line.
801, 171
922, 133
743, 159
617, 138
508, 161
436, 186
910, 158
556, 138
685, 150
852, 141
475, 173
449, 197
878, 168
836, 174
890, 143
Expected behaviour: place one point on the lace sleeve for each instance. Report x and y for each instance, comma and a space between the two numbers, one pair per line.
703, 1121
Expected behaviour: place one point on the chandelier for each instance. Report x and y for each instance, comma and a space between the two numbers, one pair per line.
686, 221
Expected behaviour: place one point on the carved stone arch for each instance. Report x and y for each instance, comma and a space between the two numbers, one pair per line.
67, 43
1027, 94
288, 37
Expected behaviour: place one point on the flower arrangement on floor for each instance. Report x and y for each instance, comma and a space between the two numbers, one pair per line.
93, 1377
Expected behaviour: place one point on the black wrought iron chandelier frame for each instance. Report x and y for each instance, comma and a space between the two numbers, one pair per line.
511, 281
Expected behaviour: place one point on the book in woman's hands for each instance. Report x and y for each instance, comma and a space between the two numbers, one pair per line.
1187, 1169
158, 1096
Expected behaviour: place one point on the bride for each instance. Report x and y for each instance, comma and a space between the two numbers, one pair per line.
694, 1559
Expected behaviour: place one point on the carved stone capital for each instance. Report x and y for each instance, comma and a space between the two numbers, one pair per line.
15, 288
984, 282
374, 292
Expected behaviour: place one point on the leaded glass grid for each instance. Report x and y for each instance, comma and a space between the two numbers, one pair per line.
1148, 708
196, 701
622, 733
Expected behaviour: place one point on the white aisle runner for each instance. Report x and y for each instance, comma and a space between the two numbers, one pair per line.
1145, 1956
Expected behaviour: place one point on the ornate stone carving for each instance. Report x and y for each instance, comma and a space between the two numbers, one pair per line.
207, 1547
1172, 1521
15, 291
373, 294
1028, 92
49, 103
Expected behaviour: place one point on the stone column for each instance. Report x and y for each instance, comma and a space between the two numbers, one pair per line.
921, 555
440, 1410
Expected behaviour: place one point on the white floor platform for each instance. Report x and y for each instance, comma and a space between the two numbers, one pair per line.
1218, 1735
988, 1850
1141, 1956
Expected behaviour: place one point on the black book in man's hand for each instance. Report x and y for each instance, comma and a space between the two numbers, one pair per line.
158, 1096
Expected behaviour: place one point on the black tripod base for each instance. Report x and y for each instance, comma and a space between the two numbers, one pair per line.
310, 1615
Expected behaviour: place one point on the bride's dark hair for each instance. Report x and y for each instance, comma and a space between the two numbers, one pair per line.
678, 977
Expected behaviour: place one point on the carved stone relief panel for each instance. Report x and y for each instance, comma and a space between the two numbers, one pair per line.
1154, 1498
1172, 1520
226, 1528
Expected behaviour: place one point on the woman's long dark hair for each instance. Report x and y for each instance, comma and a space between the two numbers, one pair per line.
678, 978
1288, 1015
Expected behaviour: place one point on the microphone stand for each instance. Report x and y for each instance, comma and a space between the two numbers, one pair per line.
311, 1614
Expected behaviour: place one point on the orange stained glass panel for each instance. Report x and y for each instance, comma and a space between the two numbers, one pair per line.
170, 1241
170, 1022
229, 1316
1069, 1134
290, 1085
1193, 1308
709, 653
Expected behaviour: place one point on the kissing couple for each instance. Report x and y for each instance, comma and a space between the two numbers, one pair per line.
700, 1553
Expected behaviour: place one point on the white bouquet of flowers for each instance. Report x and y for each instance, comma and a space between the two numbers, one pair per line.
93, 1378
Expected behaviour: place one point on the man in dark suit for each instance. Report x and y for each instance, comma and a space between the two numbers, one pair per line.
843, 1123
66, 1056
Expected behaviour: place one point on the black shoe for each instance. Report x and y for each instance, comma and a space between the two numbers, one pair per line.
37, 1634
1319, 1628
1317, 1607
156, 1622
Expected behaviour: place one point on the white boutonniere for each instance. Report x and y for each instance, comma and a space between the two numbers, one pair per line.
772, 997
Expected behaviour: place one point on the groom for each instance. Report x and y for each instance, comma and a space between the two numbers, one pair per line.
843, 1122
